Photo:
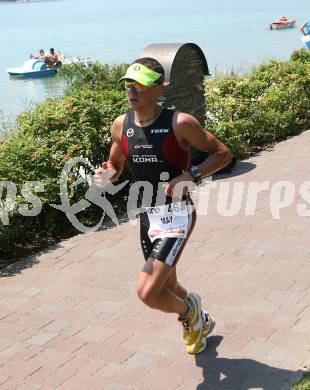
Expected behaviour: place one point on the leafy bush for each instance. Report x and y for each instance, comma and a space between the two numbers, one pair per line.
250, 112
301, 55
98, 76
55, 131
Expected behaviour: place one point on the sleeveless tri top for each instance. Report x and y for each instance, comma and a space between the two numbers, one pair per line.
153, 150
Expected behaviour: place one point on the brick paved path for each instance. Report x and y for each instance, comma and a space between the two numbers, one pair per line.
70, 319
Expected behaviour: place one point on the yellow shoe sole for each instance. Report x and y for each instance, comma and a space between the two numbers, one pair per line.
201, 345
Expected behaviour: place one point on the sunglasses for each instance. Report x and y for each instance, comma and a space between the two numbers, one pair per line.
138, 87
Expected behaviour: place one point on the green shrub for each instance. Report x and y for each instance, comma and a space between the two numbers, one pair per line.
46, 137
98, 76
250, 112
301, 55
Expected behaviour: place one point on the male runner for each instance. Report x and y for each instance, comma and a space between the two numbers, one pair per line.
155, 142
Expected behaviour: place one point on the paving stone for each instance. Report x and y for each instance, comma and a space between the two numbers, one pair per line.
3, 379
29, 386
92, 366
106, 352
302, 326
66, 371
13, 350
185, 369
51, 358
42, 338
39, 377
81, 382
6, 343
12, 384
29, 352
152, 381
66, 343
24, 370
257, 349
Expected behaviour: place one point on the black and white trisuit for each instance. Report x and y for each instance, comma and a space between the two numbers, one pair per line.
154, 156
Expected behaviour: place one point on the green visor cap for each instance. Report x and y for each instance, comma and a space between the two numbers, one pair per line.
142, 74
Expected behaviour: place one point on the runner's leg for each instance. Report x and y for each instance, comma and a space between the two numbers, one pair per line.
153, 292
157, 284
174, 285
159, 289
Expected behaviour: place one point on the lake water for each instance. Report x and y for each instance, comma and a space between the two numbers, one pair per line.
232, 34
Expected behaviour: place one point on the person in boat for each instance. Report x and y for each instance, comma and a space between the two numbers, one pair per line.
53, 60
41, 56
305, 27
283, 19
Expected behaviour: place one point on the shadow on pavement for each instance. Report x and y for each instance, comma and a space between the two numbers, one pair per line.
239, 374
17, 267
238, 169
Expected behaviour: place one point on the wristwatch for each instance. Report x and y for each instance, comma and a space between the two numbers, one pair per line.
196, 173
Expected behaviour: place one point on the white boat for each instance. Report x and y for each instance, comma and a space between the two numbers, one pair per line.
32, 68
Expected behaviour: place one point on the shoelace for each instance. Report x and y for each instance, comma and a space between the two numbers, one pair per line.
186, 325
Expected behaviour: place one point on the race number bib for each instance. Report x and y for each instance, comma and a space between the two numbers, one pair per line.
168, 220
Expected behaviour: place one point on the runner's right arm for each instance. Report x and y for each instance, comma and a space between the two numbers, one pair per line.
116, 159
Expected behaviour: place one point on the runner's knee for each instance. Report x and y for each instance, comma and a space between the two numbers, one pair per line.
148, 296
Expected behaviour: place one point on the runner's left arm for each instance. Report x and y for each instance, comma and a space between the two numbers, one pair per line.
189, 132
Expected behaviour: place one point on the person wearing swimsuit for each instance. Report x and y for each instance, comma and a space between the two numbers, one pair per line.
155, 142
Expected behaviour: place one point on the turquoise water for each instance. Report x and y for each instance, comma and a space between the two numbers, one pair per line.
232, 34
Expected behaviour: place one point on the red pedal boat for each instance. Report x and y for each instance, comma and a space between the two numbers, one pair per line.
281, 23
